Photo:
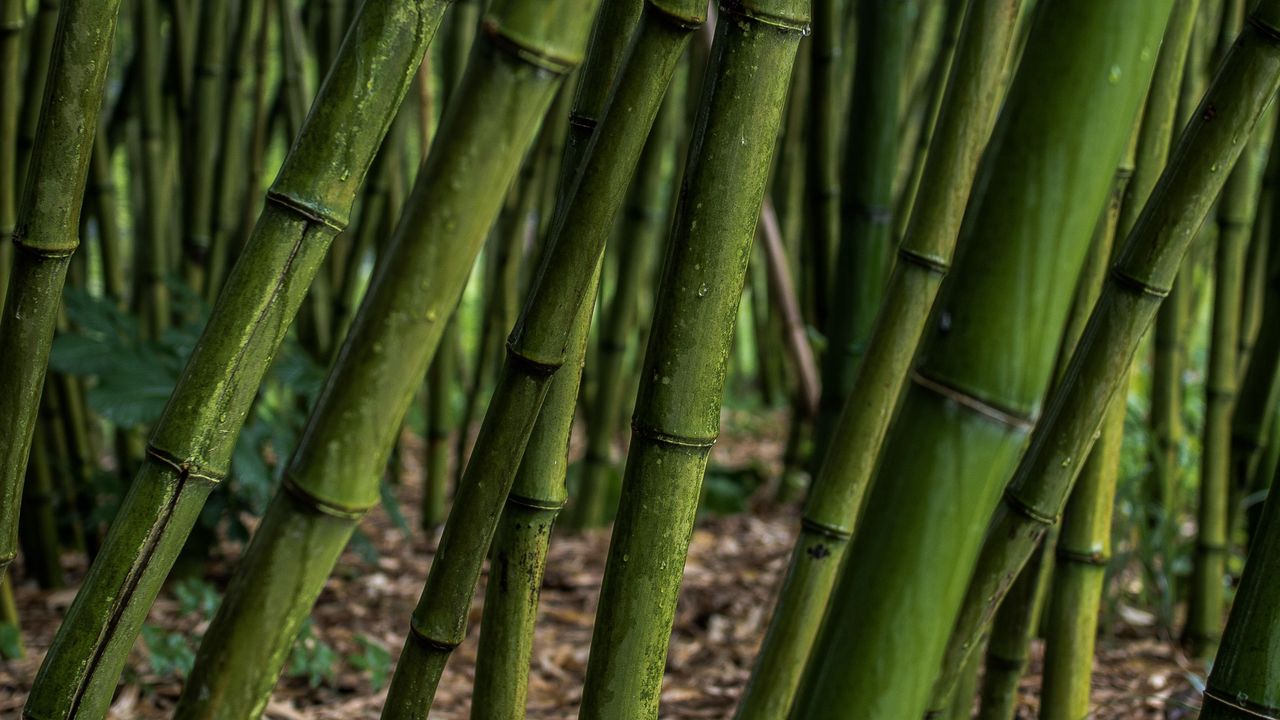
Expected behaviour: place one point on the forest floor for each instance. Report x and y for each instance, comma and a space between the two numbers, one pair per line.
735, 563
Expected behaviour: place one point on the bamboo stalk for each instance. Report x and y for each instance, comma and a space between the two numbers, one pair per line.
981, 374
677, 414
538, 491
865, 253
203, 140
40, 45
46, 234
191, 445
1008, 645
825, 121
565, 282
12, 21
613, 29
1243, 683
1236, 209
965, 123
1146, 266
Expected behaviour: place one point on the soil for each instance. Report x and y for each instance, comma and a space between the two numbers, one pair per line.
734, 566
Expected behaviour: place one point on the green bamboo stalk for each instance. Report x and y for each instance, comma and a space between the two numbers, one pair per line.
825, 121
1146, 266
9, 616
1236, 209
1255, 279
191, 444
39, 59
441, 423
1084, 545
12, 21
153, 218
1167, 361
677, 414
40, 543
46, 234
1260, 387
964, 124
1018, 617
565, 282
332, 479
980, 377
1008, 646
1243, 683
235, 140
865, 253
538, 492
962, 702
202, 142
647, 214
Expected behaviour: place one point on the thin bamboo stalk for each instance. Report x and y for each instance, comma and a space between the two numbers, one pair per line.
865, 253
677, 414
13, 18
203, 140
46, 234
1146, 266
964, 125
40, 543
40, 44
1008, 645
191, 445
981, 374
825, 122
1206, 601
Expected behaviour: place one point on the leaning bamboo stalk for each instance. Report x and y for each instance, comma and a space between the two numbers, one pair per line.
333, 477
191, 445
1145, 268
1243, 683
565, 281
538, 491
677, 415
46, 235
980, 377
925, 255
782, 294
865, 254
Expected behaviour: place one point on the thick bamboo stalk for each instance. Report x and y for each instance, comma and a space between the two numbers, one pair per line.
1244, 684
565, 281
978, 384
677, 414
925, 255
46, 235
865, 254
1146, 266
1236, 209
191, 446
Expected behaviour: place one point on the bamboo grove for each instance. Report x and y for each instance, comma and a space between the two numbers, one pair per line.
999, 279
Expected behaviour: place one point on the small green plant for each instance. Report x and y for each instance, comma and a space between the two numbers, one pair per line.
312, 658
373, 659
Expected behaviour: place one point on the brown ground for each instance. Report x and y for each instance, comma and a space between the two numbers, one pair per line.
733, 566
